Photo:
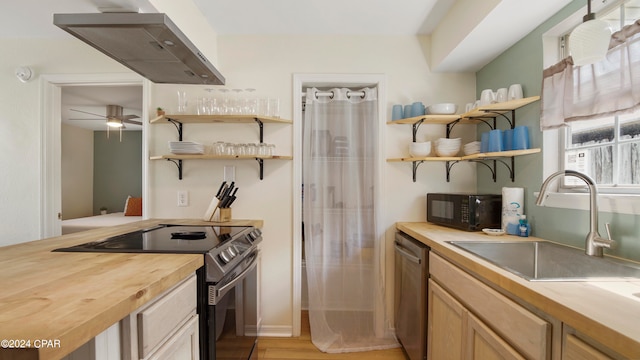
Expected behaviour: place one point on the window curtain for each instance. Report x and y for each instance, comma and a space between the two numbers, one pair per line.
345, 268
608, 87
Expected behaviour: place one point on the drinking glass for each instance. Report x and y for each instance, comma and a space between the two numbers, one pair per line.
274, 107
237, 102
225, 106
263, 107
251, 102
182, 102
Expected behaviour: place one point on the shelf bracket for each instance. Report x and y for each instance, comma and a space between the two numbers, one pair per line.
492, 169
261, 165
414, 165
450, 127
449, 165
178, 164
261, 125
178, 126
512, 169
416, 126
512, 121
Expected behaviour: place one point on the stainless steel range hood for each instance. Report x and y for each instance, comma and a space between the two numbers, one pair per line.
147, 43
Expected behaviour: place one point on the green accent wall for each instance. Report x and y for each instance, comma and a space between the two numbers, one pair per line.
117, 169
523, 64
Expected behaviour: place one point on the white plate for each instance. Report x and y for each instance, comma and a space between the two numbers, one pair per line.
494, 232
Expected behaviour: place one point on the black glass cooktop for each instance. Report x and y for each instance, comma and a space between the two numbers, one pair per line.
163, 239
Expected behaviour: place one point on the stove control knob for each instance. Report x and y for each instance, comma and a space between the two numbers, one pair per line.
224, 257
253, 235
232, 251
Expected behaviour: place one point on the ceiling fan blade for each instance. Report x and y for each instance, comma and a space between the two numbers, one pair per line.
86, 112
128, 117
85, 119
132, 122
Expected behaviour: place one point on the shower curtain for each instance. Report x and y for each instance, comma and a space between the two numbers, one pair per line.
342, 243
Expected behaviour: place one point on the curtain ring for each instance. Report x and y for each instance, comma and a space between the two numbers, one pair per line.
364, 93
348, 95
332, 94
316, 95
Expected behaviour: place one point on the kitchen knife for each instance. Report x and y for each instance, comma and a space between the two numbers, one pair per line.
221, 189
227, 200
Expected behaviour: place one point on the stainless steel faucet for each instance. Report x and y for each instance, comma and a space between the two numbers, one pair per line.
594, 243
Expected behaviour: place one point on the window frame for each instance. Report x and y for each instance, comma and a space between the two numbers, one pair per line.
613, 198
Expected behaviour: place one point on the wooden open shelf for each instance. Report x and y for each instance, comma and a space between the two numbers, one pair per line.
218, 157
479, 156
208, 119
471, 117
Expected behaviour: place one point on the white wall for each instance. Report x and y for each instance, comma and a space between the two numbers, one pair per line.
20, 126
77, 172
268, 63
264, 63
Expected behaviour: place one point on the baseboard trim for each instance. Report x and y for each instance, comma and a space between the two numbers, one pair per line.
276, 331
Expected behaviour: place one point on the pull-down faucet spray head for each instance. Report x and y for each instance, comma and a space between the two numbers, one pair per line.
594, 242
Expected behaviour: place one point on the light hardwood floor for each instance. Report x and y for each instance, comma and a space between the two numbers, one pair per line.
301, 348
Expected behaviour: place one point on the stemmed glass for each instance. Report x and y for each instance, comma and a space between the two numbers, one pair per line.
237, 102
251, 104
225, 106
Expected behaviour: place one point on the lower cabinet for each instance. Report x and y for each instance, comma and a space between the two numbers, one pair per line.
455, 333
469, 320
574, 348
164, 328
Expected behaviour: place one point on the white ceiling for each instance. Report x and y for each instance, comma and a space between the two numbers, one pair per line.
506, 23
94, 99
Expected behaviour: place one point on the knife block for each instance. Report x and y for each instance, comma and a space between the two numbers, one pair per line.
225, 215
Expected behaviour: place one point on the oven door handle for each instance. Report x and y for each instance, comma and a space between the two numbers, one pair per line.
216, 293
402, 251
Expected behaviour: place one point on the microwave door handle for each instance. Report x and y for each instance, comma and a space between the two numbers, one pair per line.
402, 251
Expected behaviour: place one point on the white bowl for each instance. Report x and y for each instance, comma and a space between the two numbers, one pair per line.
420, 149
442, 109
448, 147
447, 152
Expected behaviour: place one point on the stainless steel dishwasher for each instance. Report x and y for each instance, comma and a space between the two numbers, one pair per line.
410, 295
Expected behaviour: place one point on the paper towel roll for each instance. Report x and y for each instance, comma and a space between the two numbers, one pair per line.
512, 208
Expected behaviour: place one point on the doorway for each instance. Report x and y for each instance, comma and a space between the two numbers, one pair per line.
51, 123
101, 165
302, 82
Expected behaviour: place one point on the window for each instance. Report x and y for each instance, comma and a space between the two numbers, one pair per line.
607, 149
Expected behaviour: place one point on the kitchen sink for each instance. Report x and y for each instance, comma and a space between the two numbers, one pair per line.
547, 261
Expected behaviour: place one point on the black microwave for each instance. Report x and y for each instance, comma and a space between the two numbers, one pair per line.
469, 212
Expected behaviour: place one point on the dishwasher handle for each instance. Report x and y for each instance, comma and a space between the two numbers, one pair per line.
404, 252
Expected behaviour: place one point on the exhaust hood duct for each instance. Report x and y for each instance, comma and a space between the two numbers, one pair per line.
147, 43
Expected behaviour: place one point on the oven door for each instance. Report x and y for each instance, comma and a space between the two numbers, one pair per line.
232, 314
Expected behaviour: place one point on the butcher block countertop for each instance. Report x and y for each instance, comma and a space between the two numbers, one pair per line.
608, 312
54, 302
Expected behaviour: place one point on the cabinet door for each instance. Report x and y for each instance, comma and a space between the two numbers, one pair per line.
576, 349
447, 322
484, 344
183, 345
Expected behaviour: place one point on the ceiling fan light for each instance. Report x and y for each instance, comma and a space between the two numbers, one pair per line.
113, 122
589, 42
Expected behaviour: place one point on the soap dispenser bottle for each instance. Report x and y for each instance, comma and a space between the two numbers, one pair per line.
524, 227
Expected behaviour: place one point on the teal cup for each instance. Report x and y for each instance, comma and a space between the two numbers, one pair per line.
407, 111
521, 138
495, 140
396, 112
417, 109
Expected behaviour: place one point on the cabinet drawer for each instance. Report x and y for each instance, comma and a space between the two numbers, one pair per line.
529, 334
158, 321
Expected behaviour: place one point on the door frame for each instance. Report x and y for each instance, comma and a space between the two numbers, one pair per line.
301, 81
50, 134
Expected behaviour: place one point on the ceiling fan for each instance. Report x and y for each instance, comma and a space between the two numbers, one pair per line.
114, 116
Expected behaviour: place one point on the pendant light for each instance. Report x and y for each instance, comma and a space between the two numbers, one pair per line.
589, 42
